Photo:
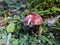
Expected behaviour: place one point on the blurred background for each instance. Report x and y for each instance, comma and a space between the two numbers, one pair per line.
13, 30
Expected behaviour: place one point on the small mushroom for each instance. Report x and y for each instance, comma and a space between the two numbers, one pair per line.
33, 20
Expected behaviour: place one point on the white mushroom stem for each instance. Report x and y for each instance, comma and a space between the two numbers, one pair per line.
29, 21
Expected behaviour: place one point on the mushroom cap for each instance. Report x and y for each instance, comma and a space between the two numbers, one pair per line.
33, 19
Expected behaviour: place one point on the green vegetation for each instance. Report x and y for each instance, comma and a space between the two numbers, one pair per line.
12, 16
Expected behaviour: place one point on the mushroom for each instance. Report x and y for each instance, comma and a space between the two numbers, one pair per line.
33, 20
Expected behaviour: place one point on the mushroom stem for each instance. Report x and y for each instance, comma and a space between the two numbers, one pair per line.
29, 21
34, 34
